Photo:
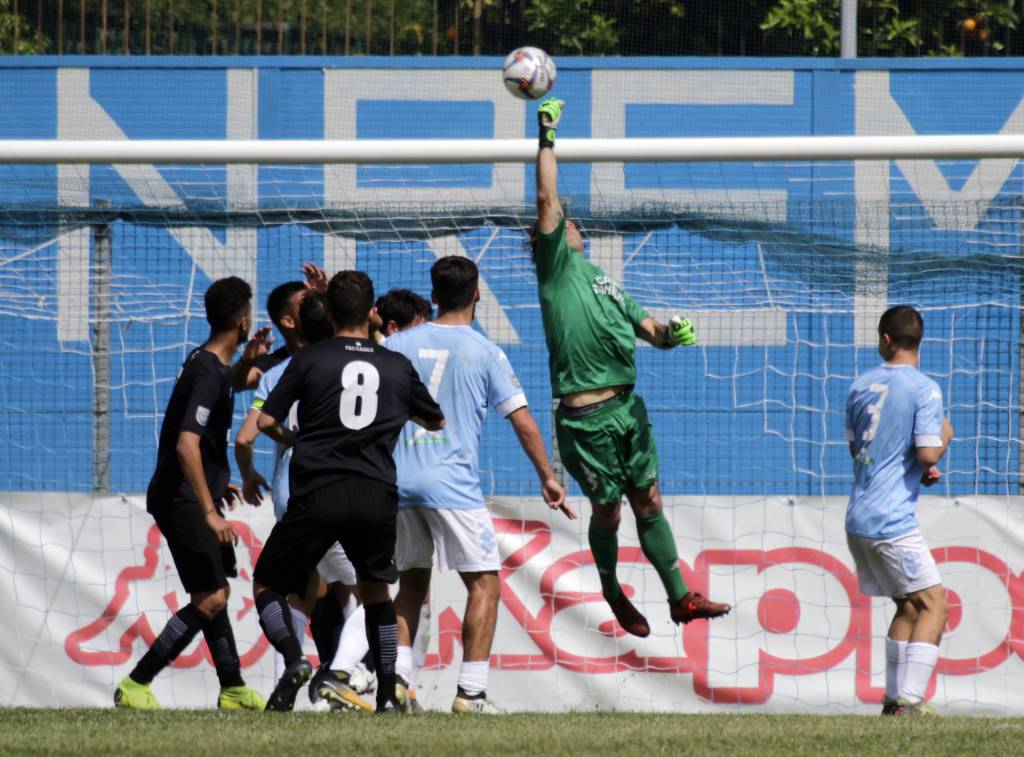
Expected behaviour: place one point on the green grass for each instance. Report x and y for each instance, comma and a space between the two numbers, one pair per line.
177, 732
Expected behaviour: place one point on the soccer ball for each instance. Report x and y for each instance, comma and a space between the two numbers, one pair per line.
529, 73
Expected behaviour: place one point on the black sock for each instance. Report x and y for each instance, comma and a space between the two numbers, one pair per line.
325, 622
177, 634
368, 662
382, 633
461, 693
276, 622
221, 641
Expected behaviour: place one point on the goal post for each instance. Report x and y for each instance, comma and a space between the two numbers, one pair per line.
783, 250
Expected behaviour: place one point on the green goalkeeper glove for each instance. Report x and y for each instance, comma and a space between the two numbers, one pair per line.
549, 113
681, 331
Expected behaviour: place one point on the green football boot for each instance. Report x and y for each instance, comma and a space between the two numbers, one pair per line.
240, 698
130, 695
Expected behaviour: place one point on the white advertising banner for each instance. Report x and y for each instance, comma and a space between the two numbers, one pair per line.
86, 583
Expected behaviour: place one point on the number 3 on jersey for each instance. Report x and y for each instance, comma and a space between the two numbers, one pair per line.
875, 410
359, 384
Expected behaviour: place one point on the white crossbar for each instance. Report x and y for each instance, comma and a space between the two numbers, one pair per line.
662, 150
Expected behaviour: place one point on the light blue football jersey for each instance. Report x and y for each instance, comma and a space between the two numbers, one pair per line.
890, 412
466, 374
282, 454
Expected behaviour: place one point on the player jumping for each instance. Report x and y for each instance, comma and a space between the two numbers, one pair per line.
354, 398
185, 498
604, 437
442, 504
897, 435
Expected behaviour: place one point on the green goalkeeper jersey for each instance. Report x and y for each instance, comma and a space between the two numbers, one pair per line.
590, 321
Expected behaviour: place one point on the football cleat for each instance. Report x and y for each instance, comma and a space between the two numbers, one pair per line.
314, 683
414, 707
629, 617
402, 693
334, 687
240, 698
389, 708
130, 695
915, 709
891, 707
283, 697
476, 706
694, 606
362, 679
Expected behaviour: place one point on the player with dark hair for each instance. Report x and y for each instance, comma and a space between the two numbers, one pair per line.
604, 436
283, 310
442, 507
315, 320
298, 312
401, 309
897, 434
186, 495
354, 397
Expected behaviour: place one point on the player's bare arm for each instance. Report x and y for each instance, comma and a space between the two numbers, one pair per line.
930, 456
679, 331
252, 481
244, 373
532, 442
549, 209
192, 467
269, 426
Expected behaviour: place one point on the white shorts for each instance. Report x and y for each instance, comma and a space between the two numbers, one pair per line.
893, 567
335, 567
464, 540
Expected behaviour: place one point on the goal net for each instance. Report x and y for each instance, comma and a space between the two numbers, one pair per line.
784, 267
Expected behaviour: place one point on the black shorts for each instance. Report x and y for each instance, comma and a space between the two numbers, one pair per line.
358, 512
203, 563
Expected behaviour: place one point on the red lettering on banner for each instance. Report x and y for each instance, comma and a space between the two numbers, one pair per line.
449, 633
75, 644
778, 612
695, 640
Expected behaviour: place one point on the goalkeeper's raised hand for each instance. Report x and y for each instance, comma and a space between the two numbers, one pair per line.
549, 113
681, 331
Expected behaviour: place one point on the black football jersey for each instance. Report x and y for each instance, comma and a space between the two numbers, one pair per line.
354, 397
202, 402
268, 361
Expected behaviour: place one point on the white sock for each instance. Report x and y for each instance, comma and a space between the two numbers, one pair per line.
353, 646
299, 624
473, 676
404, 664
420, 644
921, 659
895, 667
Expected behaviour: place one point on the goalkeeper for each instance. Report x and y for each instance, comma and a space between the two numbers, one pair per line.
604, 437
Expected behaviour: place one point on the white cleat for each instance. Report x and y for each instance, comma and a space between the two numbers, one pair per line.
481, 706
362, 680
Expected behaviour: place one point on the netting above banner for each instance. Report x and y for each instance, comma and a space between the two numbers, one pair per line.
785, 291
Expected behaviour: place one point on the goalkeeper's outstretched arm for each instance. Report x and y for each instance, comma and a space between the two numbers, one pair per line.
549, 209
678, 331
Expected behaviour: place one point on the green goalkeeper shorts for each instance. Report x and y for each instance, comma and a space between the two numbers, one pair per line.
609, 450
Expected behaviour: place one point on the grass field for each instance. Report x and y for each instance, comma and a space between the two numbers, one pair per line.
208, 732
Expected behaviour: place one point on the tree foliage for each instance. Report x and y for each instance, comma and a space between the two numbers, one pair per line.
493, 27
